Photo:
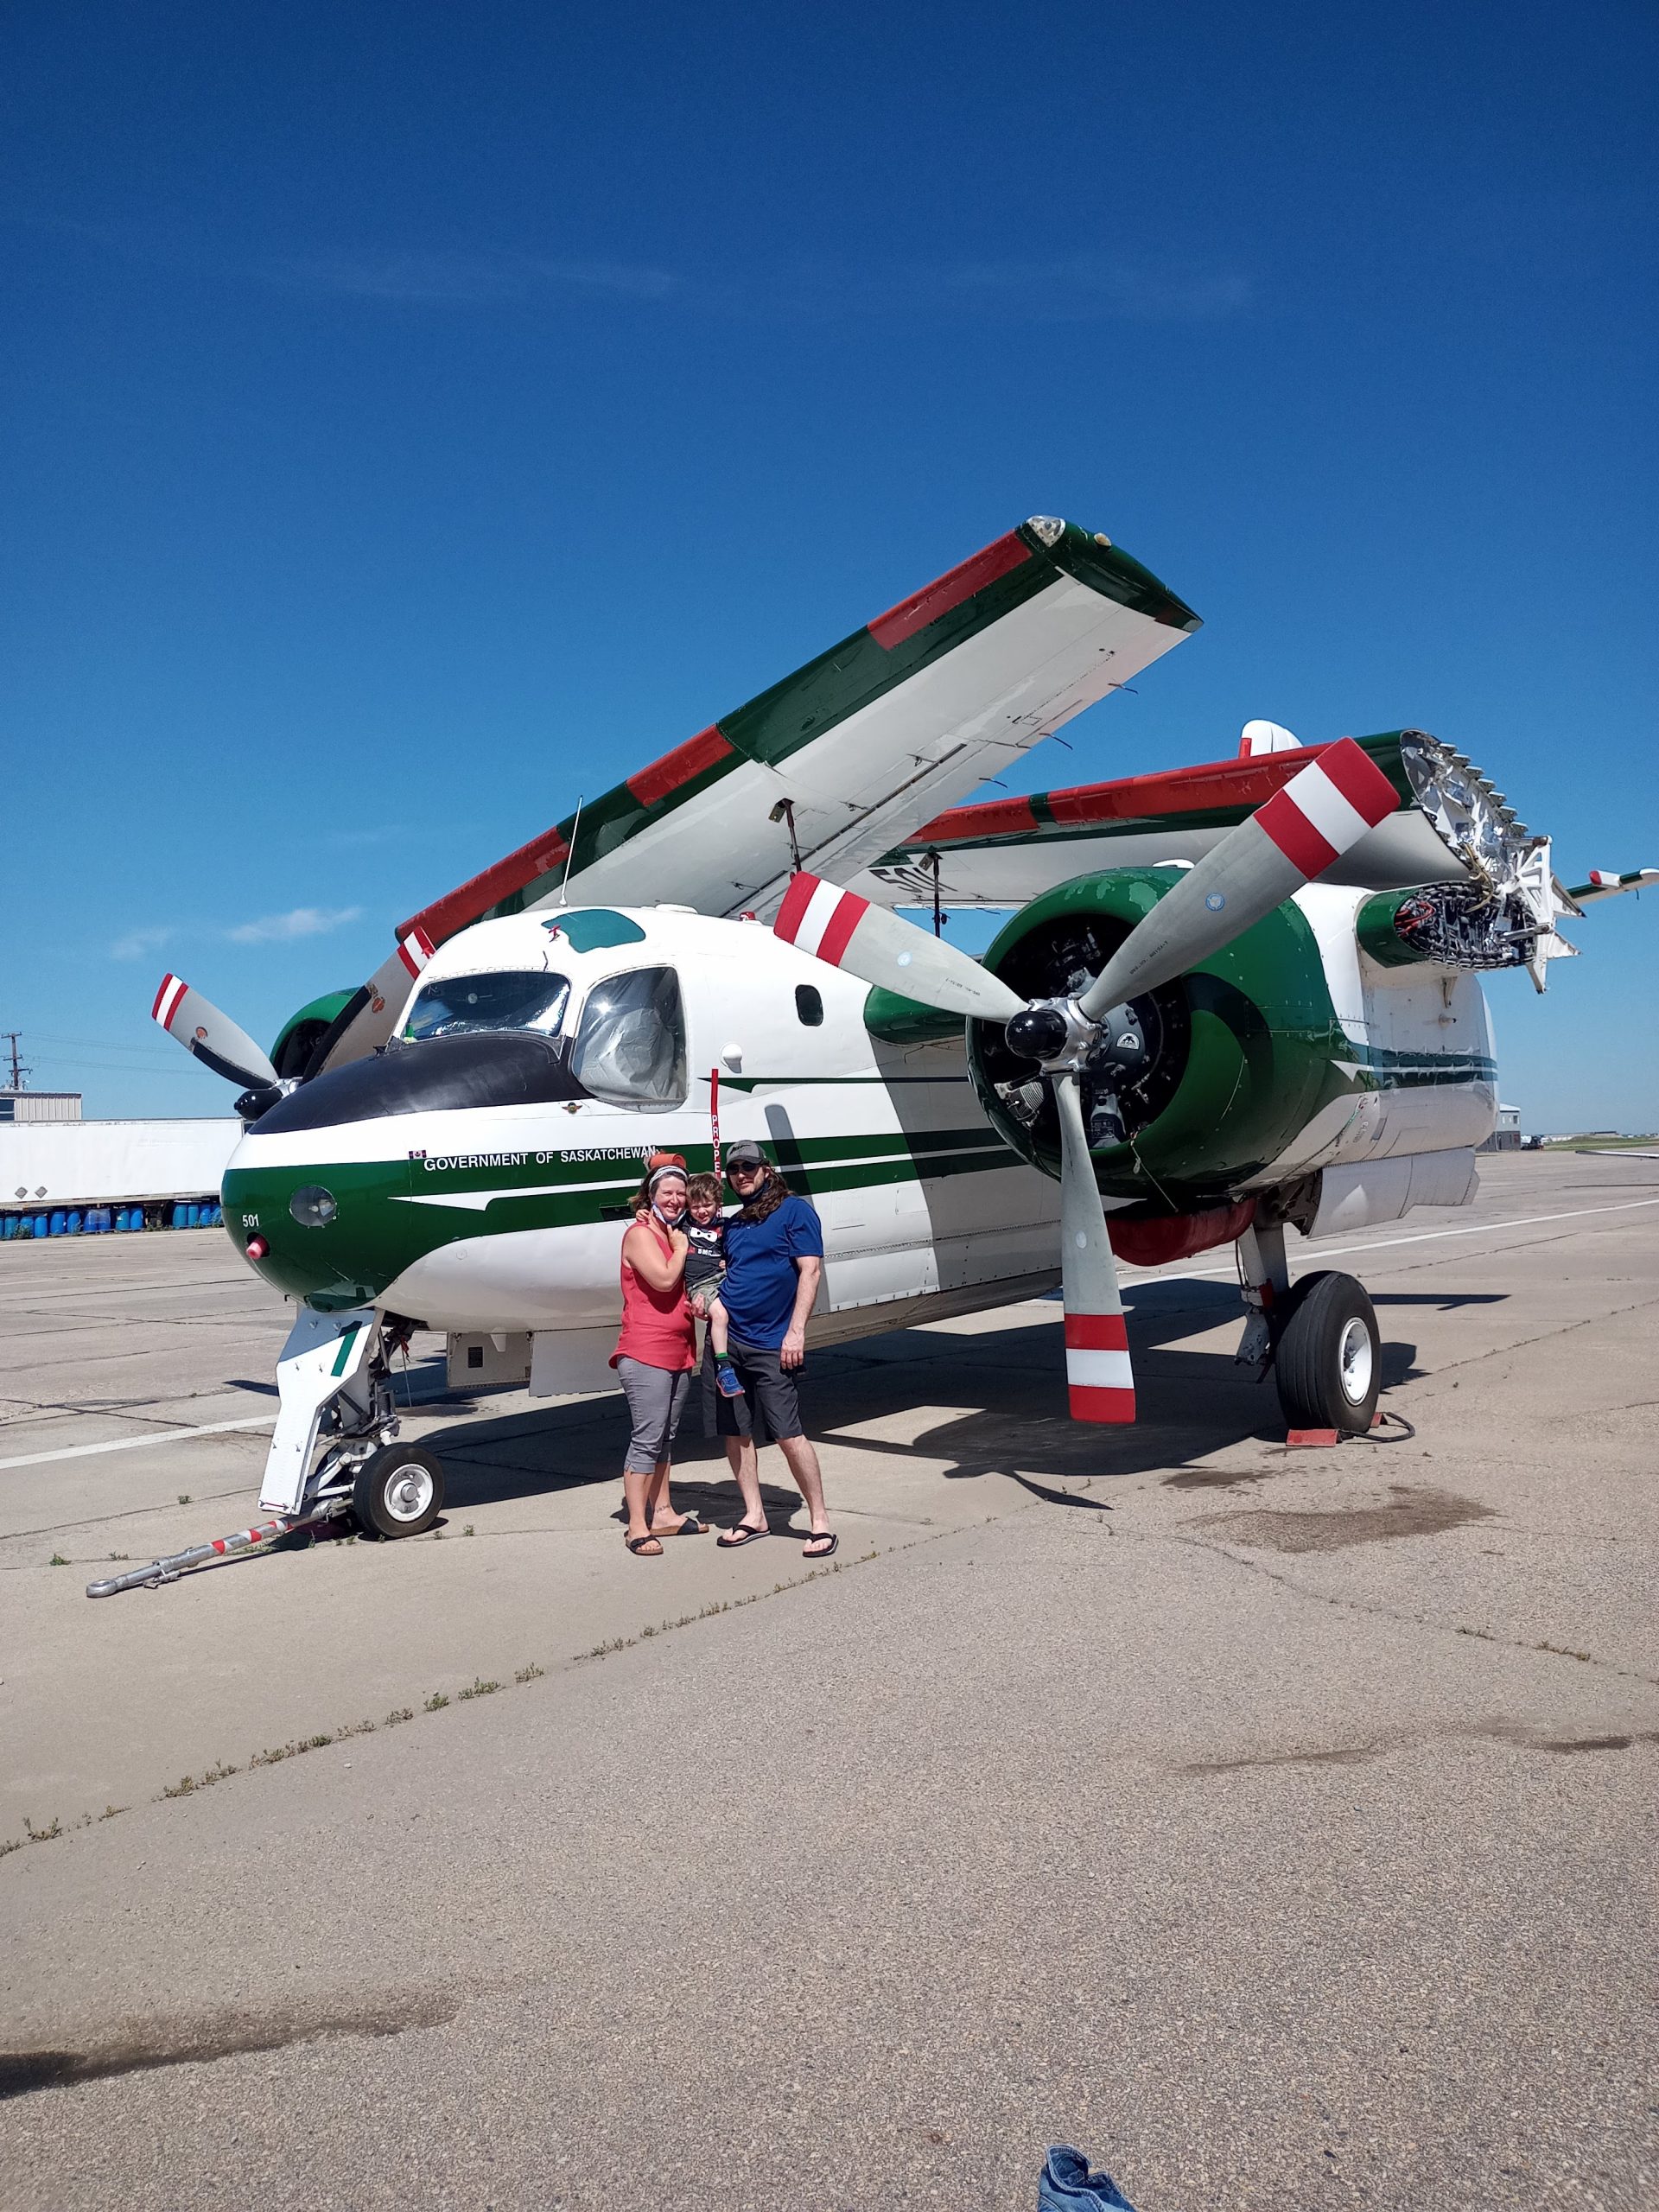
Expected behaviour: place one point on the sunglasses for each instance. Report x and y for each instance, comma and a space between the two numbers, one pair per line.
743, 1171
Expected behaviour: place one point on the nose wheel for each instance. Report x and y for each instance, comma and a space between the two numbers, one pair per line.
397, 1491
1326, 1362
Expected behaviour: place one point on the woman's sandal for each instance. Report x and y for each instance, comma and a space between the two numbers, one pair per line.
643, 1547
689, 1525
731, 1540
828, 1538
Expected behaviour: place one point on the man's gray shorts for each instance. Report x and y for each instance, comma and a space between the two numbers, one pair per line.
656, 1398
771, 1404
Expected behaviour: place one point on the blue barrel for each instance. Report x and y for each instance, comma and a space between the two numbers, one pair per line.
98, 1219
8, 1226
178, 1217
42, 1225
57, 1223
71, 1226
215, 1215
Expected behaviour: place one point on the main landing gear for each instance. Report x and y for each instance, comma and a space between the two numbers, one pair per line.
1320, 1336
334, 1385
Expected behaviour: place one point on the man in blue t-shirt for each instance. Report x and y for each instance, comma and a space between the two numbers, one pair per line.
774, 1263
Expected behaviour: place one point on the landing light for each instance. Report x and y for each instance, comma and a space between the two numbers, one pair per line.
311, 1206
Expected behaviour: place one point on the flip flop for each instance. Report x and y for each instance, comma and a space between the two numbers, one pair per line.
828, 1538
689, 1525
640, 1546
731, 1540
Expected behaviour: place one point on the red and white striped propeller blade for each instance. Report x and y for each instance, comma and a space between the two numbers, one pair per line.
1304, 828
1100, 1381
215, 1039
866, 941
367, 1020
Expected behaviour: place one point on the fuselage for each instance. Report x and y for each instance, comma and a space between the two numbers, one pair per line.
482, 1185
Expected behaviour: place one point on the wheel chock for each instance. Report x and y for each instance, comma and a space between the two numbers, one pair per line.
1321, 1439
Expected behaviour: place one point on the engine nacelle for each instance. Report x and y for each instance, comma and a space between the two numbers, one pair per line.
1195, 1086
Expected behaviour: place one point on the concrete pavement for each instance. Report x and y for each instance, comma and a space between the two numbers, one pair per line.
1277, 1828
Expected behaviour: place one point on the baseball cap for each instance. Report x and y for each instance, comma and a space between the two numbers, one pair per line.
746, 1153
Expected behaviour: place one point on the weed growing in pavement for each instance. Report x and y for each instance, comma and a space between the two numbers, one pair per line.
469, 1530
120, 1554
185, 1498
188, 1784
110, 1812
400, 1713
274, 1754
11, 1843
480, 1689
1563, 1651
42, 1835
57, 1559
529, 1673
437, 1702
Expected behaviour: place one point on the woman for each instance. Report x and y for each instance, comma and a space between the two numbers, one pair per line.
656, 1353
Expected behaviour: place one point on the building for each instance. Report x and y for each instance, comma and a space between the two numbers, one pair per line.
39, 1105
1506, 1137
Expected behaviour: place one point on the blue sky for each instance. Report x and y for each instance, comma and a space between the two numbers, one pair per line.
418, 415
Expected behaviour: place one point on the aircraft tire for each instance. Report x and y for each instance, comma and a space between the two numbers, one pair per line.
1327, 1363
398, 1492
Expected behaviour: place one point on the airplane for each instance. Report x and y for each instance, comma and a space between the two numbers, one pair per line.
1229, 1000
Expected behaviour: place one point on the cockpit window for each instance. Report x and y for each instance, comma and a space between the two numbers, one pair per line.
506, 1000
629, 1048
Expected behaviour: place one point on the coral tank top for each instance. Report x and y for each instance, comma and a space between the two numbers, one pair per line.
657, 1325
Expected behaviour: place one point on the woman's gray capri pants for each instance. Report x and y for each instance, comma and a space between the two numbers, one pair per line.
656, 1398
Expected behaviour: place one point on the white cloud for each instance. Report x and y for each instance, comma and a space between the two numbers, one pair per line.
136, 943
299, 921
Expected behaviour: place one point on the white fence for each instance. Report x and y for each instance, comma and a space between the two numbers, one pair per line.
107, 1163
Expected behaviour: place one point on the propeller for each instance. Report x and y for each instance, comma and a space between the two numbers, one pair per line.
212, 1036
1302, 830
840, 927
363, 1024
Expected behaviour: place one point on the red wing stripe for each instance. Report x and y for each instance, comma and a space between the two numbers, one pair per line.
664, 777
842, 924
457, 908
950, 590
1113, 1405
1359, 780
796, 900
1296, 835
1095, 1332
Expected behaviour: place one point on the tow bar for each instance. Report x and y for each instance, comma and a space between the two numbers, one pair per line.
177, 1563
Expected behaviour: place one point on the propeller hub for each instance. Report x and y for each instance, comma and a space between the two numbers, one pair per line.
1037, 1032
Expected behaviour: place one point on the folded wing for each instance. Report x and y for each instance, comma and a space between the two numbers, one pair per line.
852, 753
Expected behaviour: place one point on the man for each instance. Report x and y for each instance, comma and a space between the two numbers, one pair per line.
774, 1263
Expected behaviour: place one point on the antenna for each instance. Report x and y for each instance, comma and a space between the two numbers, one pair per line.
18, 1070
564, 881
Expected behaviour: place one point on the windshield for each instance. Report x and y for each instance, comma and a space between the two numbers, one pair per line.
630, 1049
505, 999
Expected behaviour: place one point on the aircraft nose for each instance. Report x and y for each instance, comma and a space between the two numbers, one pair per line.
315, 1229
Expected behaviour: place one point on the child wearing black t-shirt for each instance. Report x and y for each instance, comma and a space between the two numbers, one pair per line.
705, 1271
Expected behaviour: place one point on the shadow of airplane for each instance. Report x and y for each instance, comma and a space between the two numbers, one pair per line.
1192, 1403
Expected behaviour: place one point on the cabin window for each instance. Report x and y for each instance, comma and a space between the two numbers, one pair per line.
630, 1048
808, 1004
504, 1000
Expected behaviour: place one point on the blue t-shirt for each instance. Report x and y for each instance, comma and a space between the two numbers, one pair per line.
759, 1292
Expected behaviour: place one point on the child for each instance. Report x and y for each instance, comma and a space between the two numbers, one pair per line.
705, 1270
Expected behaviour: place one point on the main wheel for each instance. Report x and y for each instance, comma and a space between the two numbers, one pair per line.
1326, 1363
398, 1492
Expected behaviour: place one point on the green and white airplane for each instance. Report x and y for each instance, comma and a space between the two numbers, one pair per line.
1230, 1000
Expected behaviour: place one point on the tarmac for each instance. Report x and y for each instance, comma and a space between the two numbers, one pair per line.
1276, 1826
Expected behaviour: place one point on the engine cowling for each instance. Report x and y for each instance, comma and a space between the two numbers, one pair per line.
1193, 1087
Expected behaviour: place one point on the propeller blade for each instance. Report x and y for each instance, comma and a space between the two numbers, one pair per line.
1304, 828
369, 1016
212, 1036
847, 931
1100, 1380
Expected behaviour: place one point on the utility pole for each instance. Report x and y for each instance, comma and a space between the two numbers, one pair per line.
18, 1070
